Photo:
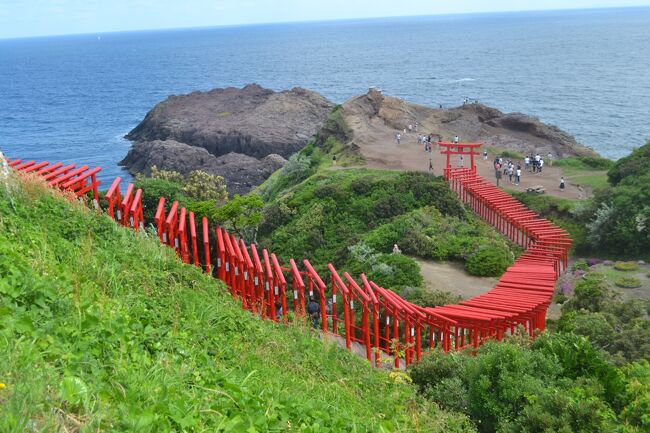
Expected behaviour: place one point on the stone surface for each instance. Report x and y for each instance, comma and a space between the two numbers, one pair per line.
241, 172
252, 121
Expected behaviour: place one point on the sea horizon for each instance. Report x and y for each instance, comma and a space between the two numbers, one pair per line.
74, 97
325, 21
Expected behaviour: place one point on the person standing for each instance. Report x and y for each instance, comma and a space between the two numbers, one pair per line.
461, 161
313, 309
410, 128
398, 137
456, 139
334, 159
485, 155
526, 163
562, 183
518, 175
541, 165
511, 171
550, 159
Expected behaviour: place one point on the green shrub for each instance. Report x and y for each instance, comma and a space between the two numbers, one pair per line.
202, 186
428, 297
585, 163
511, 154
626, 266
628, 282
591, 293
580, 266
560, 298
489, 262
153, 189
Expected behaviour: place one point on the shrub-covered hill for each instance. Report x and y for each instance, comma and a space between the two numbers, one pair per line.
353, 217
102, 329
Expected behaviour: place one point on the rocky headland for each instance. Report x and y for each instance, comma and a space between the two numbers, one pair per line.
375, 118
246, 134
241, 134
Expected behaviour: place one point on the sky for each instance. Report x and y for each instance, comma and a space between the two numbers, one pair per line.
26, 18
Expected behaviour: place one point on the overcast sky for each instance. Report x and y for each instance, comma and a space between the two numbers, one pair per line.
19, 18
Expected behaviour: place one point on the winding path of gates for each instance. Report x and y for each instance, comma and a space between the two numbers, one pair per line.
357, 310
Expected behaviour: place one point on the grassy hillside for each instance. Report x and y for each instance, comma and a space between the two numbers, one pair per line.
105, 330
353, 217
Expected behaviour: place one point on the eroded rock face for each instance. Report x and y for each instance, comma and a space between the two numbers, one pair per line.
242, 172
252, 121
243, 135
373, 116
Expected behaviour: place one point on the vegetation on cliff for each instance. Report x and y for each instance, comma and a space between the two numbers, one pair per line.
104, 329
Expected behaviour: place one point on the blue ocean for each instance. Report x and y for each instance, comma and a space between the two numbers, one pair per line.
73, 98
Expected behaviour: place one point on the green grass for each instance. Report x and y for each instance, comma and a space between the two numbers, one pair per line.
588, 171
103, 329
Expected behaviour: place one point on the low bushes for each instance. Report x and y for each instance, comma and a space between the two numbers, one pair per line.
626, 266
628, 282
489, 262
559, 382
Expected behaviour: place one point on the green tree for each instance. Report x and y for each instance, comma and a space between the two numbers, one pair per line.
242, 214
203, 186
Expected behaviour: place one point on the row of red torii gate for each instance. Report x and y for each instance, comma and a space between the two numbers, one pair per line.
388, 328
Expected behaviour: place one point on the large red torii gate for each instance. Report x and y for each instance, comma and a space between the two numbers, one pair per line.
459, 149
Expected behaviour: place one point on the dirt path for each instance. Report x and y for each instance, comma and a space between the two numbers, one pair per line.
380, 149
452, 277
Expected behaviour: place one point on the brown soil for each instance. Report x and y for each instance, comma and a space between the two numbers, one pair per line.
381, 150
374, 121
452, 277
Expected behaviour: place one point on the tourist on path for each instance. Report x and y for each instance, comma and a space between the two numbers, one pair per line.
527, 163
398, 137
313, 309
485, 155
550, 159
456, 139
562, 183
541, 165
334, 159
518, 175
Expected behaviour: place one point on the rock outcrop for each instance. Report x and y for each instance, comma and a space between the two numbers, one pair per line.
242, 172
252, 121
241, 134
374, 116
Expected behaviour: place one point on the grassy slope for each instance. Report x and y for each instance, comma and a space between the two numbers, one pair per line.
591, 172
104, 330
335, 209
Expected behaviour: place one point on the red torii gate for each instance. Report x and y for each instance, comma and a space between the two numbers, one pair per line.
459, 149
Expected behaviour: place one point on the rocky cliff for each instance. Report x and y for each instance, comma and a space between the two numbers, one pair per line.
373, 117
252, 121
241, 134
241, 172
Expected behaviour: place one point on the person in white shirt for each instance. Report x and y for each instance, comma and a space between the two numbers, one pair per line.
541, 165
456, 139
518, 175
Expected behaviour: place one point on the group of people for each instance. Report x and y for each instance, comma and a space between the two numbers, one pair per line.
509, 169
535, 163
532, 163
